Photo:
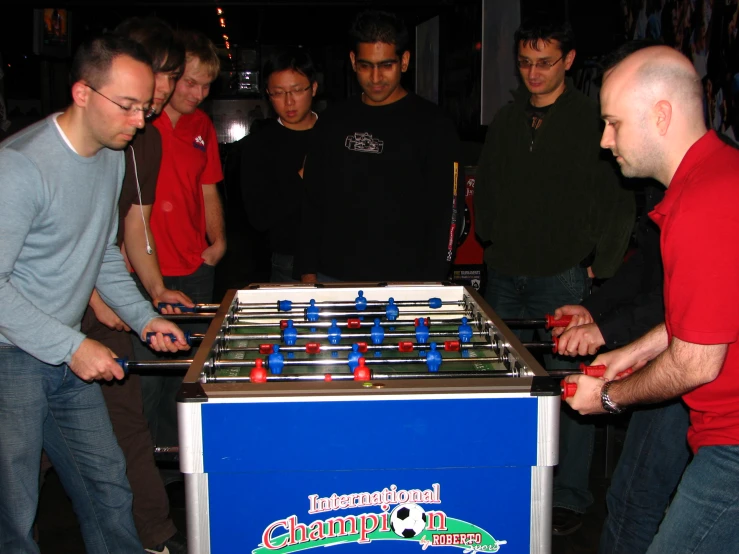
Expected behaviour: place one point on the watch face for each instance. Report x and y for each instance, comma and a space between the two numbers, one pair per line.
606, 402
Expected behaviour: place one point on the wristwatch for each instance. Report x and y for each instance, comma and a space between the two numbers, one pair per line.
609, 405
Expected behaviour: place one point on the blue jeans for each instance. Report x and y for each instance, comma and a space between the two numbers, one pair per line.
703, 516
652, 461
282, 268
49, 407
159, 392
533, 297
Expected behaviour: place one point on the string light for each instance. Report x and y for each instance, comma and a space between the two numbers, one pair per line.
222, 22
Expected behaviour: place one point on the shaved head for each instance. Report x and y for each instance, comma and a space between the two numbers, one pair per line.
660, 73
652, 102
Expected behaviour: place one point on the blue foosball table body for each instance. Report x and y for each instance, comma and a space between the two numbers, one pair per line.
452, 464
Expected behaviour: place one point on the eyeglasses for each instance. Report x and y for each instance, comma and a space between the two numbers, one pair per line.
544, 65
146, 111
295, 93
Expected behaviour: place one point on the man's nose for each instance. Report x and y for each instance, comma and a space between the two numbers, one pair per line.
606, 141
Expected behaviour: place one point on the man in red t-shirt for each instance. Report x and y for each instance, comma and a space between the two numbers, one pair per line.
187, 215
652, 106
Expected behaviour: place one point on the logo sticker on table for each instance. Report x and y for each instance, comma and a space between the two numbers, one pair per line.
401, 518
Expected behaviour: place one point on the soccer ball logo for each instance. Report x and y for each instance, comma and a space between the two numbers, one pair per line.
408, 520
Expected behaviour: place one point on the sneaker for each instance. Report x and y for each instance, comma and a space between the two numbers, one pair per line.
176, 544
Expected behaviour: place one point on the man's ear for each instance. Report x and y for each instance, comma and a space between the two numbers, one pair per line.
353, 59
405, 59
80, 93
569, 59
663, 116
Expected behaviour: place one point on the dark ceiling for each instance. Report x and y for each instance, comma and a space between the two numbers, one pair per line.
313, 22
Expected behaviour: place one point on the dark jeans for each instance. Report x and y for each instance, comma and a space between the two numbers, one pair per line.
282, 268
652, 461
160, 391
533, 297
125, 407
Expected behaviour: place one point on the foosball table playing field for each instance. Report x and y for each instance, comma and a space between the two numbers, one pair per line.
371, 418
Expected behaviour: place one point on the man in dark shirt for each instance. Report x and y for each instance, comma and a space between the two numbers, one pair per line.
381, 176
552, 207
272, 158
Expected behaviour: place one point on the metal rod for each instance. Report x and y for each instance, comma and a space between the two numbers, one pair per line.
345, 304
310, 336
322, 324
537, 345
223, 364
348, 347
374, 376
525, 322
194, 315
334, 315
562, 373
136, 365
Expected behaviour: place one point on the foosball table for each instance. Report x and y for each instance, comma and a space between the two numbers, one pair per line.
374, 418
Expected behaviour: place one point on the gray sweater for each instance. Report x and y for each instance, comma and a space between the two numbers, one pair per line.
58, 221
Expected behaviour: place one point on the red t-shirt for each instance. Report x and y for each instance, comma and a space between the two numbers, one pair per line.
190, 159
699, 220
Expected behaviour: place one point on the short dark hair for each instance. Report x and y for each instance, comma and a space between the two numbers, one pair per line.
154, 34
293, 58
94, 57
546, 27
372, 26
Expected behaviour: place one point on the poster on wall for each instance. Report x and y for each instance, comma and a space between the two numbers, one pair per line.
52, 32
706, 32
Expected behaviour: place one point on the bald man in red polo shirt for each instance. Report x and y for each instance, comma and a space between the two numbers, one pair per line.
652, 105
187, 215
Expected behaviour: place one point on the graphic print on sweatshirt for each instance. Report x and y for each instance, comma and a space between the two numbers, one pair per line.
364, 142
199, 143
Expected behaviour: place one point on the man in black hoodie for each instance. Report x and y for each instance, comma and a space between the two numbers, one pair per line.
552, 207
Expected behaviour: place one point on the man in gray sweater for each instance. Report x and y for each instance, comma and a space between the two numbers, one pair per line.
60, 180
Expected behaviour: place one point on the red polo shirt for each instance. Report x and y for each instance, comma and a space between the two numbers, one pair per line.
190, 159
699, 221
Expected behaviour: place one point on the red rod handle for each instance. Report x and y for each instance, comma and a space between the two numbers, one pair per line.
550, 322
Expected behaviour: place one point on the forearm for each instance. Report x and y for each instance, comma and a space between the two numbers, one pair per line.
145, 265
118, 290
682, 367
648, 347
215, 226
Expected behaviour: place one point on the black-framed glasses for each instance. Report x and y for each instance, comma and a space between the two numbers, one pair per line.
295, 93
544, 65
146, 111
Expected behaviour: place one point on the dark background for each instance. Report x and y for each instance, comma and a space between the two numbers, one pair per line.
253, 27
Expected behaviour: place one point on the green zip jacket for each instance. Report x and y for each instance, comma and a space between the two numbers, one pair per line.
546, 204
